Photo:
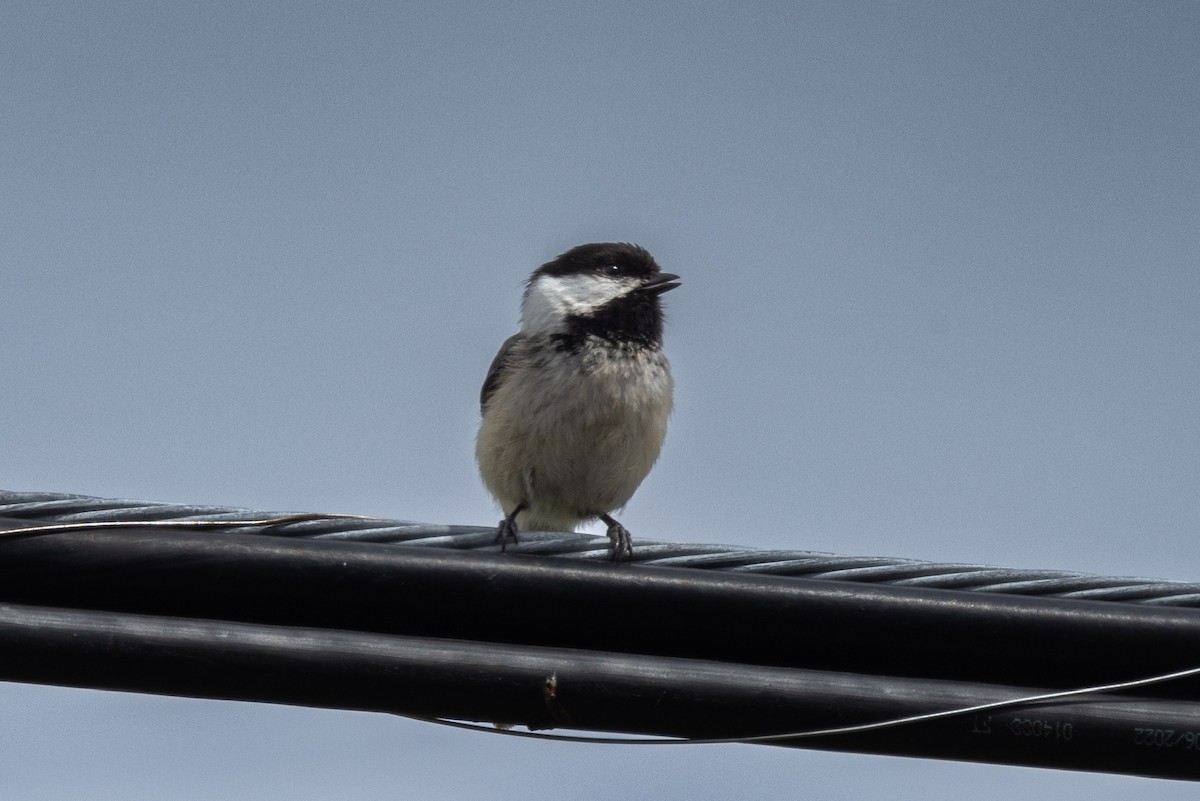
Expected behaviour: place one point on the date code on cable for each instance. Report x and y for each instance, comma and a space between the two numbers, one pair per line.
1167, 738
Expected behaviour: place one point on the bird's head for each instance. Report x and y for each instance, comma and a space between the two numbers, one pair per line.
607, 289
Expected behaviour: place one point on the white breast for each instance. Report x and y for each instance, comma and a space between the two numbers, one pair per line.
573, 436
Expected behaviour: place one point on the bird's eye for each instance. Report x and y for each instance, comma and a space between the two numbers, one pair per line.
613, 269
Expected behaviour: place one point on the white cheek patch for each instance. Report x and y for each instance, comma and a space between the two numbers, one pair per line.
552, 298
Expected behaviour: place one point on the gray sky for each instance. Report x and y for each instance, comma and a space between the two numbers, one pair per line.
940, 301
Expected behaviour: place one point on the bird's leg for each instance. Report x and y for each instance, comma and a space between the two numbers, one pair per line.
507, 530
622, 542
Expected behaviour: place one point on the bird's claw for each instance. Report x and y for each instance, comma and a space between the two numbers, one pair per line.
622, 542
506, 532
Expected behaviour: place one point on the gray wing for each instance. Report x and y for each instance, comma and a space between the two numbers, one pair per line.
495, 373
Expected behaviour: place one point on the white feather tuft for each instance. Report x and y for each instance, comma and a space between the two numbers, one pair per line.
550, 299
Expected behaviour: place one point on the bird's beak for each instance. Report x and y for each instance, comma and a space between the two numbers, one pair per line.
663, 282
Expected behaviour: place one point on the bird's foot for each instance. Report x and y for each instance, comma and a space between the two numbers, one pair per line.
622, 541
506, 532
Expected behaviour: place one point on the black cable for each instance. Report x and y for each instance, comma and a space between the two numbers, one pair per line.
315, 610
987, 707
580, 689
518, 599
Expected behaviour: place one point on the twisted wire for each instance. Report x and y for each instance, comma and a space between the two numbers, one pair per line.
48, 507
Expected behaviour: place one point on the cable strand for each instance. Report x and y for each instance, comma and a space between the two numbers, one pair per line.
58, 512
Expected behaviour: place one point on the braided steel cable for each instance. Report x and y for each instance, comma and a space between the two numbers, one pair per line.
60, 508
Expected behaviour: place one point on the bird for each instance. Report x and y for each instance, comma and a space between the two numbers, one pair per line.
575, 404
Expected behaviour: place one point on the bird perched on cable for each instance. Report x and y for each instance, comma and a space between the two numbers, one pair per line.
575, 404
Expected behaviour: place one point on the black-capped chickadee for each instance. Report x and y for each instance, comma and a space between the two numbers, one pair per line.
575, 405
